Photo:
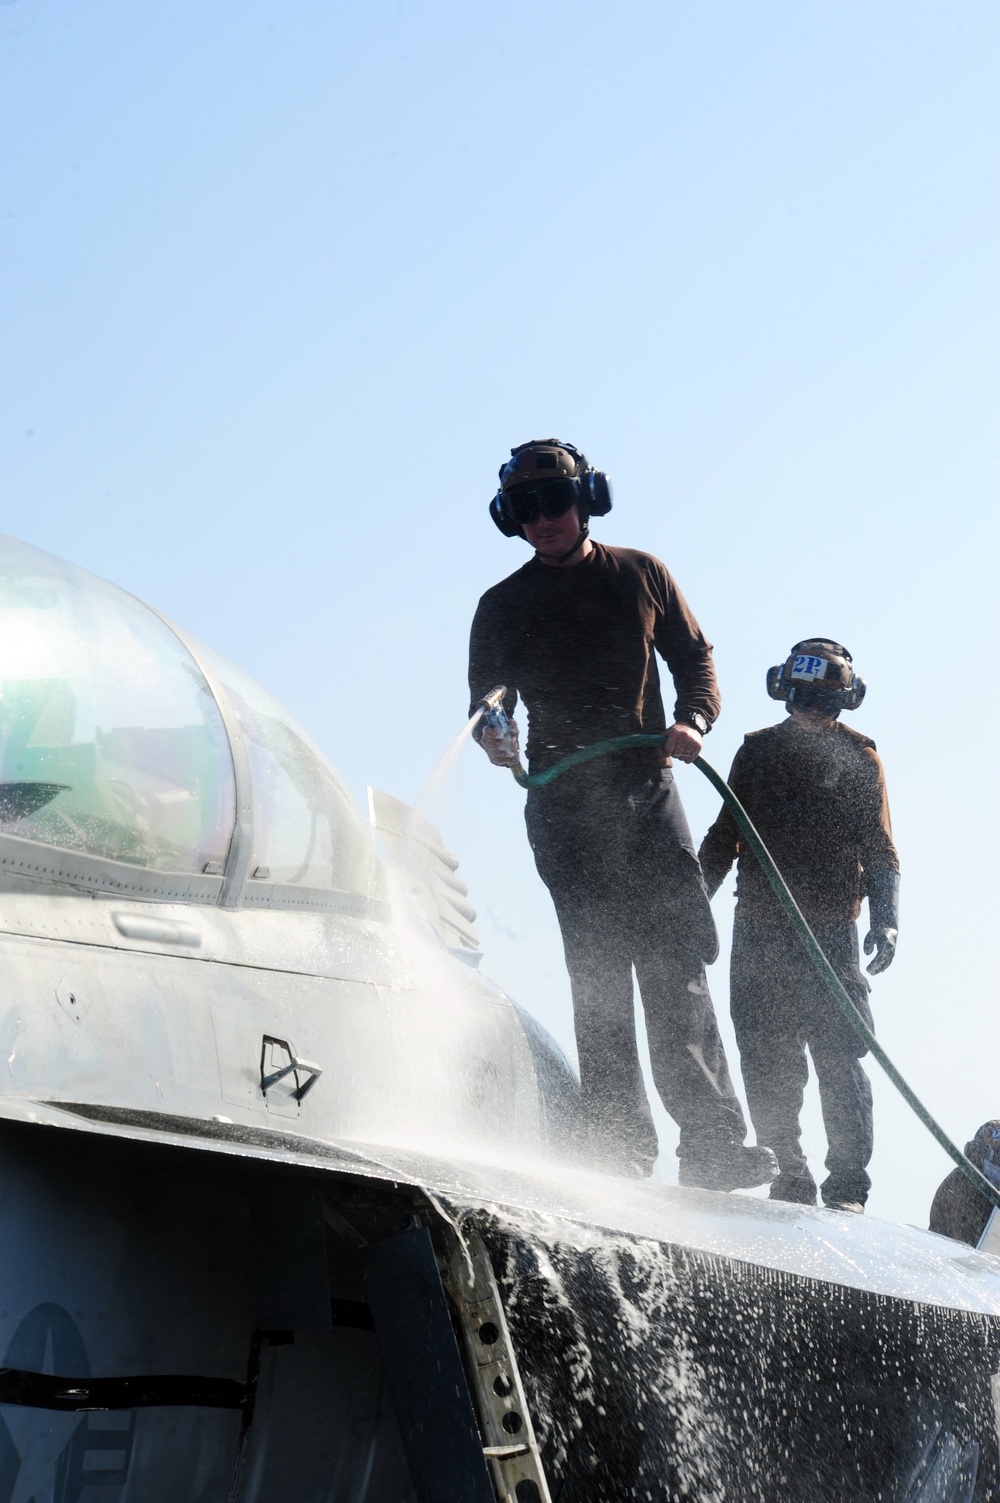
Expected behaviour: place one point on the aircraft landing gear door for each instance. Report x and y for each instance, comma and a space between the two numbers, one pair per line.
437, 1422
284, 1079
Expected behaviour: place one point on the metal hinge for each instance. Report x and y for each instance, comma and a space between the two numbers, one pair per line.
510, 1445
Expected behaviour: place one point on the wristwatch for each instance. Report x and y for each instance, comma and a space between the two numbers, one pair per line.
697, 719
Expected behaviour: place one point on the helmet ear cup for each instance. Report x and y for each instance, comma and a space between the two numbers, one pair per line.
599, 494
776, 686
509, 528
855, 694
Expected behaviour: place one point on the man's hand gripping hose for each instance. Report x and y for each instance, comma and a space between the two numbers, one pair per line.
883, 905
499, 738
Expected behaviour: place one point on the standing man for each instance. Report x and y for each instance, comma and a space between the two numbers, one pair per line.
816, 792
575, 633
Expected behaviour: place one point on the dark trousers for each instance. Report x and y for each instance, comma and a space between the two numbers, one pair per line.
614, 849
780, 1008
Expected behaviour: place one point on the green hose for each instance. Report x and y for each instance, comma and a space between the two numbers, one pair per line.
827, 974
584, 754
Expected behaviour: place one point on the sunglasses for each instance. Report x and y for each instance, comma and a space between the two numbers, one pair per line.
553, 497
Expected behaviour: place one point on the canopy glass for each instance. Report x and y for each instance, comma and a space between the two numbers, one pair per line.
115, 744
307, 828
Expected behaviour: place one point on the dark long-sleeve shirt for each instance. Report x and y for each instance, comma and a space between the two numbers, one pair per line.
819, 801
579, 646
958, 1209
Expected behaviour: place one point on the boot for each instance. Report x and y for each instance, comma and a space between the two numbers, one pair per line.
733, 1167
845, 1192
797, 1188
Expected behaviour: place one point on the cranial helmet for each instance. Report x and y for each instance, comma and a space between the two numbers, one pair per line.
817, 675
984, 1149
547, 475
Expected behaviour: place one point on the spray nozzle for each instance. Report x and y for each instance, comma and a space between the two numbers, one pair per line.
493, 700
495, 716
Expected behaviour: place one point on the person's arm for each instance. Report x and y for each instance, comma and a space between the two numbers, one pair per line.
687, 653
880, 862
490, 665
721, 846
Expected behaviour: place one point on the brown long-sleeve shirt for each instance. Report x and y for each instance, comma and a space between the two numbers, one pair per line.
579, 646
819, 801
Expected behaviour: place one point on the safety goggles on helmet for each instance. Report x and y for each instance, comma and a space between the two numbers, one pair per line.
553, 497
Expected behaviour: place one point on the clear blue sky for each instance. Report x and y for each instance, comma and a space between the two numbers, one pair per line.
281, 285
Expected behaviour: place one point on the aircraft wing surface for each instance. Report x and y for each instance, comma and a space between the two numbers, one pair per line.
559, 1203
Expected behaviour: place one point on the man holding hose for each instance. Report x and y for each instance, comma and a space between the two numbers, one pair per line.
576, 632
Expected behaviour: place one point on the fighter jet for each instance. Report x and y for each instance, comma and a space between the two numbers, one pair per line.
295, 1201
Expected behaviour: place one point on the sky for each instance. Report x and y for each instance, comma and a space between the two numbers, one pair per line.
280, 287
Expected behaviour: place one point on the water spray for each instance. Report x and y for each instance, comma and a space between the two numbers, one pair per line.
783, 893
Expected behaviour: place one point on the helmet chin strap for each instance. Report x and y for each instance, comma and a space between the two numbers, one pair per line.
581, 538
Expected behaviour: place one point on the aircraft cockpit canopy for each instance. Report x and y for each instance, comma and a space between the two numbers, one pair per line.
137, 761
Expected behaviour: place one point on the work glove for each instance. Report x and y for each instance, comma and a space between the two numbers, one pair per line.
883, 916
